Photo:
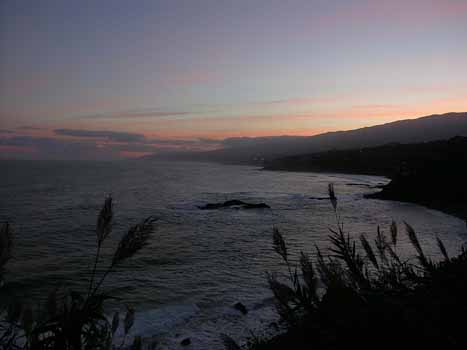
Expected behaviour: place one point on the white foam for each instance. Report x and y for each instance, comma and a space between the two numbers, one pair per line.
153, 322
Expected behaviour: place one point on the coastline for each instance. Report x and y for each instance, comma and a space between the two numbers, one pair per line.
457, 210
431, 174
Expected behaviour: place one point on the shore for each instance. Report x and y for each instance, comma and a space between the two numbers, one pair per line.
431, 174
401, 193
394, 192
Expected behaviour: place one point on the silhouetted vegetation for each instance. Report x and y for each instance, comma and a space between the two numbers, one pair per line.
365, 295
360, 294
5, 247
72, 320
429, 180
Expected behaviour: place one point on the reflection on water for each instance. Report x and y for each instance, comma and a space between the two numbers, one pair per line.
199, 262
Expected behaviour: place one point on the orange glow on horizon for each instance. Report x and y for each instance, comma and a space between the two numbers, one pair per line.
133, 154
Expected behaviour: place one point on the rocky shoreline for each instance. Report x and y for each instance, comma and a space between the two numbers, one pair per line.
431, 174
396, 192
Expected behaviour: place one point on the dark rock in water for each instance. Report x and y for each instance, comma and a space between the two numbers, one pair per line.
234, 203
240, 307
359, 184
320, 198
256, 206
185, 342
225, 204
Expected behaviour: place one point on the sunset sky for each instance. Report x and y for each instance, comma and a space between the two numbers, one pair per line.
126, 78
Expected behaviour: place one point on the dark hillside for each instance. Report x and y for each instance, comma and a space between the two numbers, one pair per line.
431, 173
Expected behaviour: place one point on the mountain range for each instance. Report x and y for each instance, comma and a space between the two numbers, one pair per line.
260, 150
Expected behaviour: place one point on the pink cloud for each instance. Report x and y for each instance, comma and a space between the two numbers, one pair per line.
377, 107
132, 154
301, 101
7, 150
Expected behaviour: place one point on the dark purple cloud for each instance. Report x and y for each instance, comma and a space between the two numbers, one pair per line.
87, 144
116, 136
143, 113
27, 127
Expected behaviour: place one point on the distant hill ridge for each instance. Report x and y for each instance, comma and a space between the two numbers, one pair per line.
443, 156
264, 149
428, 173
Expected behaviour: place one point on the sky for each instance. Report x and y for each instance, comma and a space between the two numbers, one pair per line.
115, 79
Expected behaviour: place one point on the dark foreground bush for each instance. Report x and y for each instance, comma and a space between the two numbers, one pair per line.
365, 295
5, 248
72, 320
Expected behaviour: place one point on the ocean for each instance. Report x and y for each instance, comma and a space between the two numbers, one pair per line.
198, 263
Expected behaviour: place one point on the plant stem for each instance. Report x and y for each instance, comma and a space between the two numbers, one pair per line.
96, 260
102, 279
